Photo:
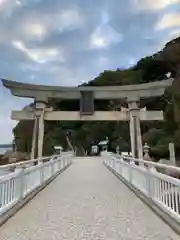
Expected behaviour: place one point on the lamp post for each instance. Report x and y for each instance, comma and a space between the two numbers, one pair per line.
117, 150
107, 142
146, 149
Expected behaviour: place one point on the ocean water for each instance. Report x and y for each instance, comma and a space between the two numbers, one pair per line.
4, 149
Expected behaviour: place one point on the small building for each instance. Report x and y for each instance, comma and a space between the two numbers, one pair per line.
94, 149
58, 149
104, 145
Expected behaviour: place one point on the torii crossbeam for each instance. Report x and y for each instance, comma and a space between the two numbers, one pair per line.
97, 116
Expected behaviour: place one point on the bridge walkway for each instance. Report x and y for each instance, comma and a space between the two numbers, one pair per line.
86, 202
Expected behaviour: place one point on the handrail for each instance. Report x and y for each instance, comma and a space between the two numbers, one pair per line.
16, 185
11, 165
149, 163
162, 189
18, 164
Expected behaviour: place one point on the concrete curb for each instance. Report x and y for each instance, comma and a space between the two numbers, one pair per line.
172, 223
12, 211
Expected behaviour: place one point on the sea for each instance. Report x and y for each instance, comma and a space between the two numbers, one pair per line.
4, 148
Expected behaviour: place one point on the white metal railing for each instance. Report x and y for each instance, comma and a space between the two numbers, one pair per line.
16, 185
160, 188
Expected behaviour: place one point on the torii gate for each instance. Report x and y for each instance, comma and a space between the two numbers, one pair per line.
131, 93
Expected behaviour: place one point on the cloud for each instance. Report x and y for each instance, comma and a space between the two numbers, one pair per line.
153, 5
34, 30
69, 19
174, 34
2, 2
170, 36
8, 6
39, 55
169, 20
70, 42
104, 36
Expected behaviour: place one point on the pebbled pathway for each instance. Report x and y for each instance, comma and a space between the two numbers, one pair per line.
86, 202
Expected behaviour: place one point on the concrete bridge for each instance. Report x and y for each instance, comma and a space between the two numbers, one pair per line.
107, 197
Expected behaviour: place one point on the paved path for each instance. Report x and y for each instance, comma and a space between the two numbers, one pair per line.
86, 202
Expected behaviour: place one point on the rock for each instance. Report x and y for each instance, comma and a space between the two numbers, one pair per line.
14, 157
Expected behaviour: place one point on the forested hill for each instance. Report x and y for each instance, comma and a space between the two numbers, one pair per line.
158, 135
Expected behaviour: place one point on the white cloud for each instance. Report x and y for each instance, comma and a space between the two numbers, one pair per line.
65, 19
2, 2
70, 18
104, 36
98, 41
169, 20
34, 30
39, 55
34, 25
7, 6
172, 35
152, 4
18, 2
175, 33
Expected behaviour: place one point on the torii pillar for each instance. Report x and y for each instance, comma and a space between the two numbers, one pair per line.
38, 130
135, 128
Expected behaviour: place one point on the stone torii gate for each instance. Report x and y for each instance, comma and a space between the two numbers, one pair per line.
130, 93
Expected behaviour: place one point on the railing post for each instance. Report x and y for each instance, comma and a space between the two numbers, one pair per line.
69, 159
120, 168
52, 166
66, 162
59, 163
130, 173
41, 172
117, 166
21, 182
149, 182
106, 161
114, 164
63, 163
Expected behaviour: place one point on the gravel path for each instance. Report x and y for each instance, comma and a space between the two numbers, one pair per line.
86, 202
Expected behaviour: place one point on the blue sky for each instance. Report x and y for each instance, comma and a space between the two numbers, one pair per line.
60, 42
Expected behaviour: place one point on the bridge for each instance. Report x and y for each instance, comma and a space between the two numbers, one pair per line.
107, 197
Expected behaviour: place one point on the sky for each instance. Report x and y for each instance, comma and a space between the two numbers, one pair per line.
60, 42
